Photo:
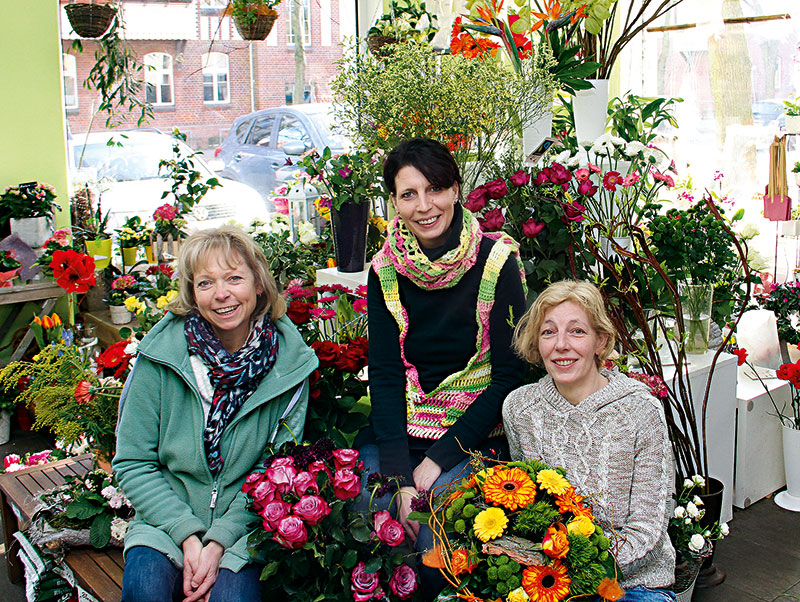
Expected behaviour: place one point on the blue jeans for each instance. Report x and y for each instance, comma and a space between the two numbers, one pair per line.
150, 577
640, 593
432, 580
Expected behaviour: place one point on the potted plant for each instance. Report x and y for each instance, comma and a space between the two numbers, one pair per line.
792, 112
796, 172
129, 237
91, 19
89, 227
784, 301
9, 267
253, 18
122, 288
404, 21
30, 208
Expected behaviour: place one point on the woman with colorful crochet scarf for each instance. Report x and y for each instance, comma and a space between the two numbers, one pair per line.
222, 374
442, 298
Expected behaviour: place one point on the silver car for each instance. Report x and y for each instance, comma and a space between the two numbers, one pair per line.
261, 143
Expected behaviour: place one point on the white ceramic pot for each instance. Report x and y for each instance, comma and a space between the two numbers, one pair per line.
591, 111
119, 315
790, 499
5, 427
790, 227
32, 230
535, 132
796, 178
793, 124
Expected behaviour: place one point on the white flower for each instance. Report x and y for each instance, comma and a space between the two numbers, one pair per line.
573, 161
132, 347
687, 520
119, 527
88, 484
109, 492
307, 233
688, 483
279, 224
116, 501
697, 542
634, 147
724, 530
15, 467
698, 480
692, 510
707, 533
697, 501
563, 157
680, 512
750, 231
617, 141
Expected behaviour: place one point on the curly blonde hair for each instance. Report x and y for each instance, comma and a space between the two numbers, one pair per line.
586, 295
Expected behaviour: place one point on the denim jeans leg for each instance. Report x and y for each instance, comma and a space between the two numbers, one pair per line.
237, 587
370, 456
150, 577
641, 593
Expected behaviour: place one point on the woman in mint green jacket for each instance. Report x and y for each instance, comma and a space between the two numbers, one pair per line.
220, 376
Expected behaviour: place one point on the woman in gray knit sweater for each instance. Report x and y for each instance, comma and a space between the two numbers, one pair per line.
603, 427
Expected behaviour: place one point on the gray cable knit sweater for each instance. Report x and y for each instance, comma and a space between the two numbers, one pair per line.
615, 449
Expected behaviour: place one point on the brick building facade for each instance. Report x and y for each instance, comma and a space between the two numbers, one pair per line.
177, 34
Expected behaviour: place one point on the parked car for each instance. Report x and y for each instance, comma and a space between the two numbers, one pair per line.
260, 143
769, 112
125, 163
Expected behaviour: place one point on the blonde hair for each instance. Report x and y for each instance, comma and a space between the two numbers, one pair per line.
227, 241
586, 295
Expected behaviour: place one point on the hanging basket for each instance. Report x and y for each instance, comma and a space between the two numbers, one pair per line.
377, 44
260, 28
90, 20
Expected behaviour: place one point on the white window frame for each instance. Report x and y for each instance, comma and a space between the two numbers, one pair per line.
154, 74
216, 64
305, 18
69, 71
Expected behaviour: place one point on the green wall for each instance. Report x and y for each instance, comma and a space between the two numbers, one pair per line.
32, 124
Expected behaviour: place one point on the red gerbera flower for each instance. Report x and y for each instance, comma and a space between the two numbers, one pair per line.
115, 358
82, 392
611, 180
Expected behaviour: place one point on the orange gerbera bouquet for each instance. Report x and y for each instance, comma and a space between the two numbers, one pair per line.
517, 532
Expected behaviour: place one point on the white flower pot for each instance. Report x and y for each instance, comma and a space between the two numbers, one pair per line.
790, 228
119, 315
32, 230
796, 178
5, 427
790, 499
591, 111
793, 124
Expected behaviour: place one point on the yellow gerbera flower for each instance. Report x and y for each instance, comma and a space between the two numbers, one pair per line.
552, 481
490, 524
509, 487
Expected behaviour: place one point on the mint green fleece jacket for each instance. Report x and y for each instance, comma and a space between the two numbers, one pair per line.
160, 460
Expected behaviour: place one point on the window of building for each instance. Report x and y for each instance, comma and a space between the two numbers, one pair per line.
305, 22
289, 93
215, 77
158, 78
70, 76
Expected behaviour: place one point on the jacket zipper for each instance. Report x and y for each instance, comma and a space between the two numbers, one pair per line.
213, 503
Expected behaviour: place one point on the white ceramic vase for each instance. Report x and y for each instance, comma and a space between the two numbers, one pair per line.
33, 231
591, 111
119, 315
5, 427
790, 499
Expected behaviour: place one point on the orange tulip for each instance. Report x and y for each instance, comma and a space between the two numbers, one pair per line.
556, 544
56, 320
47, 322
37, 320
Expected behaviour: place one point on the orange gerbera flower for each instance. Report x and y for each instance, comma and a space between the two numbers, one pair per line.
610, 590
548, 583
569, 501
511, 487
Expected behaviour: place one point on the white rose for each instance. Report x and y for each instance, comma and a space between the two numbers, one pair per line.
724, 530
697, 542
692, 510
699, 481
697, 501
687, 520
680, 512
132, 347
307, 233
688, 483
707, 534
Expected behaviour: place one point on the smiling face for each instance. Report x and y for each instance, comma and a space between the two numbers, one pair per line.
569, 346
226, 294
426, 209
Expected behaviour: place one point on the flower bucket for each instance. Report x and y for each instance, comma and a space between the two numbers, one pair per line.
685, 579
5, 427
790, 499
90, 20
259, 29
148, 253
696, 304
100, 250
591, 111
710, 575
33, 231
350, 236
129, 255
119, 314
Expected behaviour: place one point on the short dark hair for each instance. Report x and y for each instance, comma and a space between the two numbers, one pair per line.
430, 157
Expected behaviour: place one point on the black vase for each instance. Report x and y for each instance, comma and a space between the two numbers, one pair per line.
349, 224
710, 574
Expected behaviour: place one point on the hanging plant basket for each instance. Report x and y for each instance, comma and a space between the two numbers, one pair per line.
90, 20
260, 28
377, 44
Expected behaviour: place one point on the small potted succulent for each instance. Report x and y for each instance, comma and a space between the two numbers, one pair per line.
253, 18
792, 110
30, 208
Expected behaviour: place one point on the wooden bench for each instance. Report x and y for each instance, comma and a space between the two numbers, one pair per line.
99, 572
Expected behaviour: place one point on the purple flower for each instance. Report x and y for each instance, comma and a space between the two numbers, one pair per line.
345, 172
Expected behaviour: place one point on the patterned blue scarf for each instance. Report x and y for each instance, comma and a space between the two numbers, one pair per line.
234, 376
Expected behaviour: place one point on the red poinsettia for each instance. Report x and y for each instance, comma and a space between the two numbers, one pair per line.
114, 358
73, 271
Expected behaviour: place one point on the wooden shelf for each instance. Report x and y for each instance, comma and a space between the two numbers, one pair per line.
106, 332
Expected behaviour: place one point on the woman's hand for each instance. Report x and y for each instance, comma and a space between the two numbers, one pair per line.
205, 573
192, 546
406, 494
426, 473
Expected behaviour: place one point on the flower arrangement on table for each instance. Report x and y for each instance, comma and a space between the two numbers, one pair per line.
692, 536
519, 531
784, 301
539, 212
169, 222
9, 267
332, 320
15, 462
28, 200
85, 510
310, 540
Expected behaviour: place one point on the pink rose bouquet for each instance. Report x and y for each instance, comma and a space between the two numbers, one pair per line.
310, 536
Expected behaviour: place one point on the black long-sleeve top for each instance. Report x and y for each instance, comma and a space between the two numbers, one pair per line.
441, 339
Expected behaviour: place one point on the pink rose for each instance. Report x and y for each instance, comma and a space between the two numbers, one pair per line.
318, 466
282, 462
312, 509
291, 532
388, 530
492, 220
573, 212
305, 482
273, 512
263, 493
586, 188
346, 484
532, 228
496, 189
559, 174
345, 458
363, 584
520, 178
403, 581
476, 200
11, 459
282, 476
251, 481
